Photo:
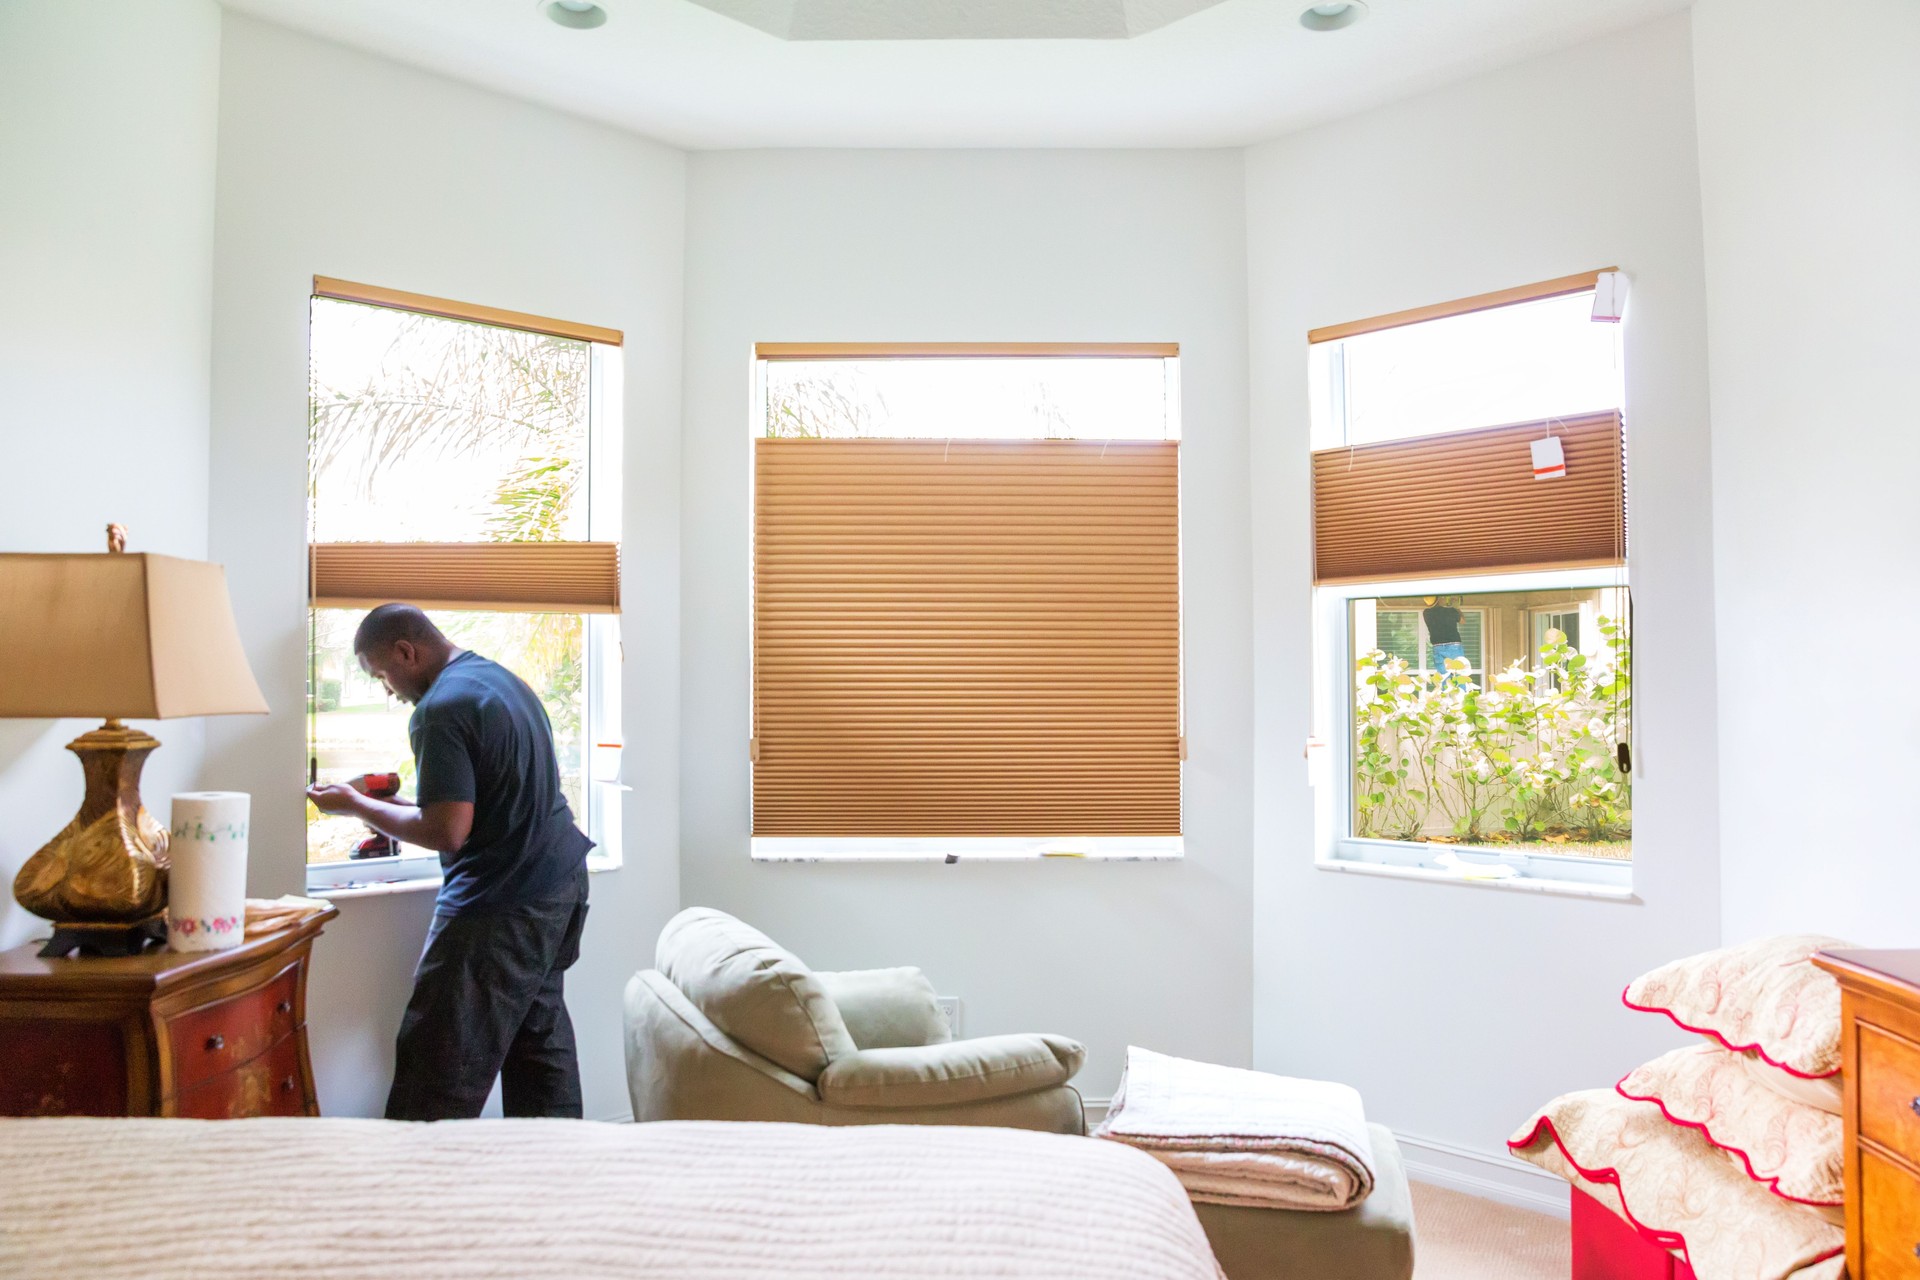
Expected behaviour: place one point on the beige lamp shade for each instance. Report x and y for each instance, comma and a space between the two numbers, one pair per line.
119, 636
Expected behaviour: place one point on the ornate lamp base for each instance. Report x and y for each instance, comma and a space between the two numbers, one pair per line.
105, 874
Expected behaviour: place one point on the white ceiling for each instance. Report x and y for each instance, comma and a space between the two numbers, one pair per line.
1239, 72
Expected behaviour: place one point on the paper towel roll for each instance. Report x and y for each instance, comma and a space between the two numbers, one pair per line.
207, 888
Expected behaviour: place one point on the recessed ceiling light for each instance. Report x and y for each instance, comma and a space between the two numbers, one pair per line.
1332, 17
581, 15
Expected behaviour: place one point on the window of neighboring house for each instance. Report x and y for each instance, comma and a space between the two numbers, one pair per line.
1564, 620
1507, 762
966, 630
465, 460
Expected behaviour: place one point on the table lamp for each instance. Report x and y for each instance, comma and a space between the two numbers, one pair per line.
140, 636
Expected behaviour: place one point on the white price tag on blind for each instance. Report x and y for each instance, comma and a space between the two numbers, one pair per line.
1549, 459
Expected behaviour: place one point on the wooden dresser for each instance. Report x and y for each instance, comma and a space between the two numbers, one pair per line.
1880, 1056
212, 1034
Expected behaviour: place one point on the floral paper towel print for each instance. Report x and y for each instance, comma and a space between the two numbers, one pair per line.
212, 832
1763, 996
1798, 1152
188, 926
1674, 1189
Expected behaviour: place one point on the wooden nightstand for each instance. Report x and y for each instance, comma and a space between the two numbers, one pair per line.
1880, 1061
213, 1034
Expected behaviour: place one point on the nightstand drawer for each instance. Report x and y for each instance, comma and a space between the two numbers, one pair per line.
222, 1035
1889, 1090
270, 1085
1890, 1218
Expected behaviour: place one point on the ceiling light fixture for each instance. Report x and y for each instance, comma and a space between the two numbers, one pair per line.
581, 15
1332, 17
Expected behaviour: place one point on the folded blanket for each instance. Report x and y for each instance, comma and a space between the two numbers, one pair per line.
1244, 1137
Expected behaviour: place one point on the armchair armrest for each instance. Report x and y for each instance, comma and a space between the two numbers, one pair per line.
959, 1071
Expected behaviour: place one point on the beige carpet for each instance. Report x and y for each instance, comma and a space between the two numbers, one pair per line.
1462, 1237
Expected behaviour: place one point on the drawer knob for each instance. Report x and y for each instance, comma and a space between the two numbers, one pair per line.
286, 1006
286, 1086
216, 1043
1916, 1111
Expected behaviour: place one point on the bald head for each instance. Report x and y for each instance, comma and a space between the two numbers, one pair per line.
399, 646
390, 622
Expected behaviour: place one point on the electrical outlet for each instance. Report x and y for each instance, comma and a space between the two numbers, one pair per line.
950, 1010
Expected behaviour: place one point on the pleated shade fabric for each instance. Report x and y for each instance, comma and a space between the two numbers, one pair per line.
1468, 502
525, 577
966, 638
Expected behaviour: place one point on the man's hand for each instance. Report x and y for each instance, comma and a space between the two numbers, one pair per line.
442, 826
334, 797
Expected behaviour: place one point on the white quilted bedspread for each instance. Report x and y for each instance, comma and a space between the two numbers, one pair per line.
569, 1200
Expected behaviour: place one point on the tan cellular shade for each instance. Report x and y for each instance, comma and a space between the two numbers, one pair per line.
966, 638
526, 577
1558, 288
1467, 502
374, 295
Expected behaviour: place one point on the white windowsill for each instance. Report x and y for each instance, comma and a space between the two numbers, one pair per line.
883, 849
378, 886
1609, 892
352, 889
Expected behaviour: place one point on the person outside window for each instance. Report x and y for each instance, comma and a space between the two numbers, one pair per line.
1443, 633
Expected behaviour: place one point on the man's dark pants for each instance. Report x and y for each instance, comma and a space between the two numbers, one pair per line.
488, 1000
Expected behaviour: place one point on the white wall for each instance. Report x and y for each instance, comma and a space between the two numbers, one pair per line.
1457, 1010
337, 163
1010, 246
1810, 165
106, 249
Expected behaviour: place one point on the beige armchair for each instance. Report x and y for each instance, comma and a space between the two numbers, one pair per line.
729, 1026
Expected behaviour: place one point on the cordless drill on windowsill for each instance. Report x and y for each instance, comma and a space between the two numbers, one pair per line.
381, 786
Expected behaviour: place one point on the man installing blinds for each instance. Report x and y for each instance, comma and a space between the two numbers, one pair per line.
488, 994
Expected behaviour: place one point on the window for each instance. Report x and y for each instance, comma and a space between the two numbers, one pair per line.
1474, 626
461, 459
1524, 759
966, 632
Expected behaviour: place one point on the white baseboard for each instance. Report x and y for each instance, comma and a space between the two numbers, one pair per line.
1501, 1178
1096, 1109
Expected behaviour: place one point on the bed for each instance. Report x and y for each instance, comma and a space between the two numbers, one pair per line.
338, 1199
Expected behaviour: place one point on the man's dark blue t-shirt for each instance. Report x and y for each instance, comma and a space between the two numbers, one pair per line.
480, 735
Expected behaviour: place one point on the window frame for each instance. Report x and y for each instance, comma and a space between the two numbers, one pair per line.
600, 765
1330, 751
770, 849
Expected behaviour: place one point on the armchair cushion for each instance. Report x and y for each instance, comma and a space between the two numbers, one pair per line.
757, 993
887, 1008
955, 1072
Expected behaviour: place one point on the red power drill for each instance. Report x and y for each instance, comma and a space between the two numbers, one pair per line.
381, 786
